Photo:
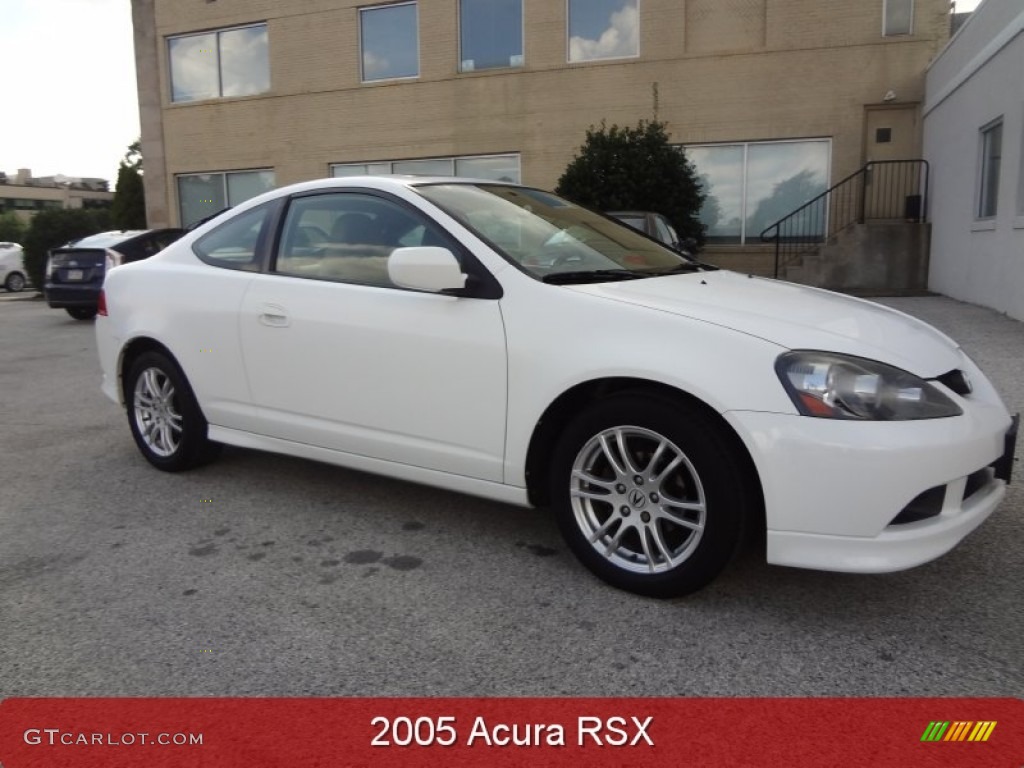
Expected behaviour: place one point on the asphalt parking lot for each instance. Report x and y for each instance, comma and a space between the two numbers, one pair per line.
265, 575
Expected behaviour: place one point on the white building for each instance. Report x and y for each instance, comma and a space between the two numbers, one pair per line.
974, 140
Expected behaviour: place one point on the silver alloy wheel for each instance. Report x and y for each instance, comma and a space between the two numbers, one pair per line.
15, 282
637, 499
156, 417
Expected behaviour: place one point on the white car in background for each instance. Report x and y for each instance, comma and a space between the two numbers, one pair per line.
12, 267
500, 341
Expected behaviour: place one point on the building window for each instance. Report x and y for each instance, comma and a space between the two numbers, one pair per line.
226, 63
203, 194
390, 44
603, 29
490, 167
991, 154
490, 34
750, 186
898, 17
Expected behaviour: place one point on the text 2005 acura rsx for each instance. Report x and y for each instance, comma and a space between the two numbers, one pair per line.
497, 340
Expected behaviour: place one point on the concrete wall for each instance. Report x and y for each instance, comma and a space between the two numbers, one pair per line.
978, 78
728, 70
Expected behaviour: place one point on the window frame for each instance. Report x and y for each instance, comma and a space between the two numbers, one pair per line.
568, 39
224, 186
451, 158
220, 73
522, 39
362, 48
885, 19
744, 238
980, 197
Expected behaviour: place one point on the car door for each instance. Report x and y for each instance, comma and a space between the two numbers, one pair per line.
340, 358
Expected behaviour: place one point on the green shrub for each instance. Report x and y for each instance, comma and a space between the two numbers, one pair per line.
53, 228
620, 169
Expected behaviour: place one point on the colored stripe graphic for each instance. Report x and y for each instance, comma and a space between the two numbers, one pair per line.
958, 730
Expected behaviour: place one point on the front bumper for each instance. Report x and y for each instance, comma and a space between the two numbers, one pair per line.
833, 489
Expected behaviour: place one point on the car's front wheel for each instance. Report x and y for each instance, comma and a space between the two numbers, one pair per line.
82, 313
168, 426
648, 494
15, 282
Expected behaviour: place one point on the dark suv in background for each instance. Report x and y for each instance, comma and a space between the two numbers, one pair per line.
74, 272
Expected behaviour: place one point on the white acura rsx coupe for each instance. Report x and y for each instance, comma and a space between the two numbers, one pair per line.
500, 341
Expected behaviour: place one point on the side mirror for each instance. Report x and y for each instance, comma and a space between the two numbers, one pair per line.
426, 268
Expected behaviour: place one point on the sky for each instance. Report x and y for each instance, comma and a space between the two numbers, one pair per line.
68, 103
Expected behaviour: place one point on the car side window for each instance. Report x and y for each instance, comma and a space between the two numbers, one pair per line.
664, 232
348, 236
234, 244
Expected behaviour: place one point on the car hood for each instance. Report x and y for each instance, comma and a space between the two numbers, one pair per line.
792, 316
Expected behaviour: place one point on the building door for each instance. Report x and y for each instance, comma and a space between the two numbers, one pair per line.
892, 189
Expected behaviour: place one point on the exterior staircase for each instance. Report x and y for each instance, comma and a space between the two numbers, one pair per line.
867, 234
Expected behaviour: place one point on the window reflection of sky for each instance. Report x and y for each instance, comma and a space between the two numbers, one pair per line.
240, 55
491, 33
780, 176
602, 29
390, 42
244, 64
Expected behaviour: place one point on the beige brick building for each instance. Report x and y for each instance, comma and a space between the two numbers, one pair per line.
239, 95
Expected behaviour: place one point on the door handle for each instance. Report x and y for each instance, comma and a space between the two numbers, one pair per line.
274, 316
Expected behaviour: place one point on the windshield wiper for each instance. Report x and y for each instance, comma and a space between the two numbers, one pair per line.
686, 266
593, 276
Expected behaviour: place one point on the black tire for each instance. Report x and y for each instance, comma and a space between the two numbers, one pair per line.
165, 399
15, 282
81, 313
662, 549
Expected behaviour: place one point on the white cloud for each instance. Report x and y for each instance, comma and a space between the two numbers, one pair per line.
621, 38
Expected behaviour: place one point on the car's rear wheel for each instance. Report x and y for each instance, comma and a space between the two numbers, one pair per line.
81, 313
15, 282
168, 426
648, 494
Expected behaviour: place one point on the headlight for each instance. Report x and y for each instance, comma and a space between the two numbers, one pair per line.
833, 386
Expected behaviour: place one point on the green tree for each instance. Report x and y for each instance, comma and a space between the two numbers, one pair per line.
129, 207
12, 228
53, 228
636, 169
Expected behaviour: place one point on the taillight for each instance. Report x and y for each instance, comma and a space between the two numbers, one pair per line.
49, 265
101, 305
112, 259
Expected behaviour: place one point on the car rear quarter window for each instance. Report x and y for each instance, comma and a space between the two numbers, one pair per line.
235, 244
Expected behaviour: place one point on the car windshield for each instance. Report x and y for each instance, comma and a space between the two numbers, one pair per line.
547, 236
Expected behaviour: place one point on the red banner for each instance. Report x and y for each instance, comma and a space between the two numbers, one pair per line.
110, 733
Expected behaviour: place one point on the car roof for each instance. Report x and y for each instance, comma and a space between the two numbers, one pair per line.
106, 239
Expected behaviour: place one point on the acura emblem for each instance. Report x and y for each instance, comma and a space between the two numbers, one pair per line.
637, 498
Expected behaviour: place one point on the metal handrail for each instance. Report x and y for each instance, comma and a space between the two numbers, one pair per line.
881, 189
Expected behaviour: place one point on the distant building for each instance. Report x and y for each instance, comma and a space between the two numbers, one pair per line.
26, 195
238, 96
974, 140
